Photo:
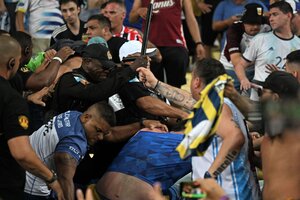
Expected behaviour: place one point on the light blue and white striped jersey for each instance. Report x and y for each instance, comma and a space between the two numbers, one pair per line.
44, 16
238, 179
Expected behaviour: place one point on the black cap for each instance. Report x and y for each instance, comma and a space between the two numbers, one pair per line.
101, 53
253, 14
282, 83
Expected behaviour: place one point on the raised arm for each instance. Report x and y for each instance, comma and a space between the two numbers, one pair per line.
47, 76
66, 167
178, 96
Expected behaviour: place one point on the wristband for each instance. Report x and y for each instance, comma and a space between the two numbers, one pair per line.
53, 178
156, 85
199, 43
58, 59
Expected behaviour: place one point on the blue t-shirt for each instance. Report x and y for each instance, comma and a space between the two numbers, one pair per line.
64, 133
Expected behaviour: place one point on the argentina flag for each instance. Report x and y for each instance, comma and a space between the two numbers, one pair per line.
203, 121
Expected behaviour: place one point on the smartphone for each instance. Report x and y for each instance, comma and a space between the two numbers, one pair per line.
189, 191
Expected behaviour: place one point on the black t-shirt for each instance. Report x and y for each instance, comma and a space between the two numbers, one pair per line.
114, 45
129, 94
18, 82
64, 32
14, 122
76, 91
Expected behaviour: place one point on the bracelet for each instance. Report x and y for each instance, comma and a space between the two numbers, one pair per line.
53, 178
58, 59
199, 43
156, 85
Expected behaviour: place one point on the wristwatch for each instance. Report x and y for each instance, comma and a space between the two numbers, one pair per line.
53, 178
207, 175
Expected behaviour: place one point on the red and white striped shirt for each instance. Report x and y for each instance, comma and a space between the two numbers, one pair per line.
129, 34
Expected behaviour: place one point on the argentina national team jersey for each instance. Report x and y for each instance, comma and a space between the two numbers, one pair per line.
65, 134
238, 180
267, 48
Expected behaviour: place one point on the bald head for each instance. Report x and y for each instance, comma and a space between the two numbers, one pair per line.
9, 48
10, 52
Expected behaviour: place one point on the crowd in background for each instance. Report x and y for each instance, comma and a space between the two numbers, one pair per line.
88, 102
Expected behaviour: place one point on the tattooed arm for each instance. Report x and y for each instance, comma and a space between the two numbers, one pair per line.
173, 94
66, 167
233, 141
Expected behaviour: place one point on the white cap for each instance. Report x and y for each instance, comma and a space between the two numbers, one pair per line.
132, 47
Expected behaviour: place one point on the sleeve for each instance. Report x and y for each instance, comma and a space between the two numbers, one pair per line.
75, 146
99, 91
132, 91
52, 40
22, 6
234, 37
15, 116
219, 12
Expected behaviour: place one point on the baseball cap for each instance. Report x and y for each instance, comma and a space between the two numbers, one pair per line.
98, 40
99, 52
253, 14
132, 47
282, 83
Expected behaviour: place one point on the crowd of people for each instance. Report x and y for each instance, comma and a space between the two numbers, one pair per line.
84, 108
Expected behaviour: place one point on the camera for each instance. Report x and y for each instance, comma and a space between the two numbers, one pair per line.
189, 191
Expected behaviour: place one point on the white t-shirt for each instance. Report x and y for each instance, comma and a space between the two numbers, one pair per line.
44, 16
267, 48
244, 43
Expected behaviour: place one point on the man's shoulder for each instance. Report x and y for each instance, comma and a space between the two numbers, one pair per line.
8, 92
262, 38
59, 31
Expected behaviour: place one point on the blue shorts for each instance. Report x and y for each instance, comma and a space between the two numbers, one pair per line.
152, 158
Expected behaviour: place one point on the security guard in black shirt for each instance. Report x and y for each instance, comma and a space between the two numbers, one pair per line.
15, 150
